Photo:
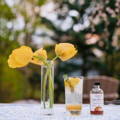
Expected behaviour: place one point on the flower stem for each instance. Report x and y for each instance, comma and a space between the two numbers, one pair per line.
43, 92
54, 58
51, 88
48, 82
41, 59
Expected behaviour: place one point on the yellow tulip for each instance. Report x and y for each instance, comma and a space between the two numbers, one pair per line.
39, 53
20, 57
65, 51
13, 63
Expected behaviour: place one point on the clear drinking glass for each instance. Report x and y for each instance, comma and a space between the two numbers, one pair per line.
74, 94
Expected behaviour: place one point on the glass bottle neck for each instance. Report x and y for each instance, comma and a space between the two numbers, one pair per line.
96, 86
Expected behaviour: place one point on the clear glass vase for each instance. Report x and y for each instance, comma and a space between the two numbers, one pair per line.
47, 88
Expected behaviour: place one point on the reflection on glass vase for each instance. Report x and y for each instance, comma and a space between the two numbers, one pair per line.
47, 88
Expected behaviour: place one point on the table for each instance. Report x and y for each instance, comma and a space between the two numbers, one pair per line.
34, 112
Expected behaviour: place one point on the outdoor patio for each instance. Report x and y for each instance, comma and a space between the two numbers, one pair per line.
56, 54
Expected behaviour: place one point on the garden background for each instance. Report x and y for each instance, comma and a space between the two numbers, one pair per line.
93, 26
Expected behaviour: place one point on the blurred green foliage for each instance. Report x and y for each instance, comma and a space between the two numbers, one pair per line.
12, 83
5, 11
25, 83
91, 20
102, 23
16, 84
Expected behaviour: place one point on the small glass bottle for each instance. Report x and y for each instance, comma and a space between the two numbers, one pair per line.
96, 99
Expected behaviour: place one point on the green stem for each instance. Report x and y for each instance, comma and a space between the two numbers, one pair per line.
48, 78
51, 88
54, 58
41, 59
43, 93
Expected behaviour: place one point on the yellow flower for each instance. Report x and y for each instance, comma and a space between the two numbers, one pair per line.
20, 57
39, 53
65, 51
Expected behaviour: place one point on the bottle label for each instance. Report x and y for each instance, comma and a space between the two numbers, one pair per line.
96, 102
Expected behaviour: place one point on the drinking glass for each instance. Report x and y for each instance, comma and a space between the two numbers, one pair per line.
73, 94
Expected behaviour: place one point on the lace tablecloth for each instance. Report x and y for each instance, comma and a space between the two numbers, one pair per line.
34, 112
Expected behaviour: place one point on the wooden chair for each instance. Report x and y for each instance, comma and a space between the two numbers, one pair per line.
108, 84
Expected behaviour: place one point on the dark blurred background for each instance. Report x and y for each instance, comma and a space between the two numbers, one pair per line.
93, 26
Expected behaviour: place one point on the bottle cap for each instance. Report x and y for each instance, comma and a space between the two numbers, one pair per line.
97, 83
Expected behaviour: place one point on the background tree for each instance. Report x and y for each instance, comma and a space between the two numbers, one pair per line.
18, 23
94, 27
9, 79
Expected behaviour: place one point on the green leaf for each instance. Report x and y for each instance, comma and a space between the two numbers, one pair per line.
6, 12
41, 2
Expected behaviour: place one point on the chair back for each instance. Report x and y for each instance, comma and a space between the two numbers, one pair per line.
108, 84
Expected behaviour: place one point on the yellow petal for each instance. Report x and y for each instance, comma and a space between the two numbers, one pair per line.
65, 51
20, 57
42, 53
12, 62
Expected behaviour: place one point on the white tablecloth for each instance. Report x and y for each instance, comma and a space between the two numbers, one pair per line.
34, 112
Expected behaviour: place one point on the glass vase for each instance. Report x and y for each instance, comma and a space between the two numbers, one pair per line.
47, 88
